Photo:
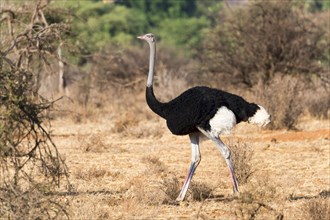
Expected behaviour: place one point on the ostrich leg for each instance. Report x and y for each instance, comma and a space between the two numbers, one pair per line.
226, 154
195, 159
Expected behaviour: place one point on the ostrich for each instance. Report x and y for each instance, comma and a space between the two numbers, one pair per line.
202, 111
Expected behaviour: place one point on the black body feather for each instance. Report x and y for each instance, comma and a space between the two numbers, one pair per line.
196, 107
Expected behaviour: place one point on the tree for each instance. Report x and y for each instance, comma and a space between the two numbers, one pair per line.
30, 164
263, 39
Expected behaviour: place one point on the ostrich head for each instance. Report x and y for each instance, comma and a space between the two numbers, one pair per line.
260, 117
150, 38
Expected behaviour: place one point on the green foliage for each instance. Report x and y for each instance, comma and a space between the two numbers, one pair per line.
158, 10
317, 5
104, 24
184, 32
177, 23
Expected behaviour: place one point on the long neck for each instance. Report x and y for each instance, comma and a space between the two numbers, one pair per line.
152, 60
155, 105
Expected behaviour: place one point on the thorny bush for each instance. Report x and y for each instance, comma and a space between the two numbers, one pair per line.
30, 164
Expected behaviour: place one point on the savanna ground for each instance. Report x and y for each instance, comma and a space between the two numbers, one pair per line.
137, 173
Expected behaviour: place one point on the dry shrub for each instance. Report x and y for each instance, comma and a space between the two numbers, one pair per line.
254, 200
200, 191
317, 209
137, 125
171, 188
30, 163
132, 117
124, 121
92, 173
92, 143
113, 67
284, 99
149, 129
146, 189
126, 69
266, 38
115, 84
155, 186
171, 82
318, 100
31, 203
242, 154
319, 106
154, 164
169, 184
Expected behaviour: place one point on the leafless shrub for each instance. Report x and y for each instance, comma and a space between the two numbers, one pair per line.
124, 121
168, 183
125, 70
317, 209
320, 107
93, 143
318, 101
113, 67
116, 68
200, 191
130, 117
171, 82
154, 164
263, 39
171, 187
242, 155
30, 203
284, 99
254, 201
146, 189
30, 163
91, 173
155, 186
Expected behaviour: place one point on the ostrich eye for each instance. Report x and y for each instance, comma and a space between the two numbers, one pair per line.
151, 37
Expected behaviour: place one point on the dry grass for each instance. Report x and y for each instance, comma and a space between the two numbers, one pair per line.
254, 201
92, 173
164, 187
156, 185
125, 121
171, 187
140, 178
154, 165
153, 190
242, 155
32, 204
92, 143
144, 191
200, 191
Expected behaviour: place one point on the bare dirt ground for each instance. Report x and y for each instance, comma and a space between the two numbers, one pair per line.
135, 174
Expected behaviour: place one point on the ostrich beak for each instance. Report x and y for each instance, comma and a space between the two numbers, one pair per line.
141, 37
